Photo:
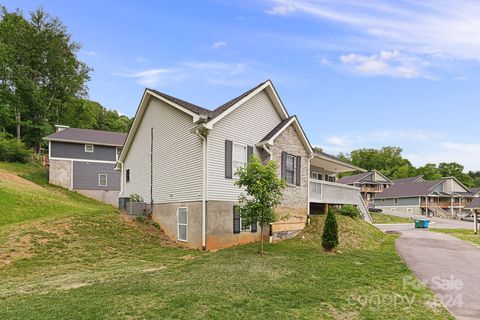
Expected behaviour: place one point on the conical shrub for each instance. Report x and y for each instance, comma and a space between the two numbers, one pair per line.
330, 231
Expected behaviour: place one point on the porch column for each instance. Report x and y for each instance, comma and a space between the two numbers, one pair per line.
475, 222
426, 206
451, 206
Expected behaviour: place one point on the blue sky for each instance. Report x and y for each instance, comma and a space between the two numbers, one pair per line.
364, 74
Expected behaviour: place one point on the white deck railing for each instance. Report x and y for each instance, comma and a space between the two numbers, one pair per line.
333, 193
337, 193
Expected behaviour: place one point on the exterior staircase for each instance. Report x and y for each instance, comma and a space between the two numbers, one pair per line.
363, 209
439, 212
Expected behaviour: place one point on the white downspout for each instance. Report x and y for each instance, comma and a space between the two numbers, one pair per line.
121, 177
310, 157
204, 189
267, 151
270, 157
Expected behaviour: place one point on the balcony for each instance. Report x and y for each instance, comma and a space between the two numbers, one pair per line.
442, 204
333, 193
372, 189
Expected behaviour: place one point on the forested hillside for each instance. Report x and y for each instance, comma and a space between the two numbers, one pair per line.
42, 81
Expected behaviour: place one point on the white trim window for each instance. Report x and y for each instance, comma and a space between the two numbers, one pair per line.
102, 180
89, 148
290, 167
317, 176
239, 158
409, 210
182, 224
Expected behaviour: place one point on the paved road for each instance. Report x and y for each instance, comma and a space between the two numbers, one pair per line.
447, 265
435, 222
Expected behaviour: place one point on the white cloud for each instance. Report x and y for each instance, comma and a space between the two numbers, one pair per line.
437, 28
420, 147
90, 53
153, 77
219, 44
464, 153
214, 72
388, 63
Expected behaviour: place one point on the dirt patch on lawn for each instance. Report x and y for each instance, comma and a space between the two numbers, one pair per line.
7, 176
15, 249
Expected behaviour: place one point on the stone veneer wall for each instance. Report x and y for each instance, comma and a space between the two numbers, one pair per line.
295, 198
60, 173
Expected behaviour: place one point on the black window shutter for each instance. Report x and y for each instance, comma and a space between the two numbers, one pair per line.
236, 220
284, 165
298, 163
249, 152
253, 228
228, 159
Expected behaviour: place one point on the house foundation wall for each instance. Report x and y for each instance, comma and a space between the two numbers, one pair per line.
60, 173
105, 196
165, 214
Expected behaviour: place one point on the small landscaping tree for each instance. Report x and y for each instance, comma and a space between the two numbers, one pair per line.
350, 211
264, 191
330, 231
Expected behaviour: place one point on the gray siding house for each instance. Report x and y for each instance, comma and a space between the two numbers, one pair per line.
444, 197
370, 183
182, 158
84, 161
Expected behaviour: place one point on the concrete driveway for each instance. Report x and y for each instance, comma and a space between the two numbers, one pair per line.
448, 266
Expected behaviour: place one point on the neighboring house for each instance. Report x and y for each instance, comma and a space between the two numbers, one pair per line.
84, 160
443, 197
370, 183
182, 158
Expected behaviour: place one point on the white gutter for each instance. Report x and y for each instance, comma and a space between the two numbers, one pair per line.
267, 151
204, 189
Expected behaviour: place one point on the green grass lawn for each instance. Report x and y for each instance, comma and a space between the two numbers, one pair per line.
64, 256
463, 234
378, 217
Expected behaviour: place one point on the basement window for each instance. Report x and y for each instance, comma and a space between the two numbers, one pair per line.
102, 180
182, 224
89, 148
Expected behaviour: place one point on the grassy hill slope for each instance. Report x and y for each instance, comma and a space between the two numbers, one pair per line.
64, 256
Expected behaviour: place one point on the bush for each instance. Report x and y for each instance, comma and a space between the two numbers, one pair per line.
13, 150
135, 198
330, 231
350, 211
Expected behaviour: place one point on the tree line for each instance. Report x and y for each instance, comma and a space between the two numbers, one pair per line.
42, 81
390, 162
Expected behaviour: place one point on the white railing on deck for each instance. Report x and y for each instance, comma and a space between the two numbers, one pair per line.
337, 193
333, 193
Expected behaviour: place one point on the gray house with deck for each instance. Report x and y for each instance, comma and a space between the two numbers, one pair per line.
84, 160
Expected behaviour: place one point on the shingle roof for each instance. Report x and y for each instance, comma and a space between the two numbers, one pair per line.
90, 136
474, 191
211, 114
408, 180
475, 204
278, 128
187, 105
414, 189
354, 178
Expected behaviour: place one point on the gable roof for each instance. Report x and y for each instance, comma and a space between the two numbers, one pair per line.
415, 189
211, 114
279, 128
474, 205
409, 179
187, 105
201, 114
474, 191
99, 137
362, 176
354, 178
